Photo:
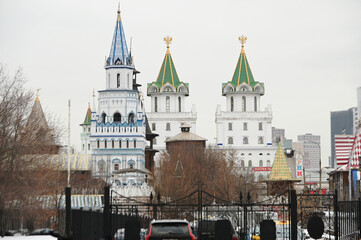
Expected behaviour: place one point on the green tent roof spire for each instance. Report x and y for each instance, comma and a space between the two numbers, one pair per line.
280, 170
243, 73
167, 73
88, 117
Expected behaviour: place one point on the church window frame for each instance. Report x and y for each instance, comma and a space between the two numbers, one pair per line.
179, 104
131, 118
167, 128
260, 126
268, 163
154, 140
242, 163
88, 146
127, 143
230, 126
116, 167
167, 104
155, 104
261, 163
104, 117
135, 143
245, 140
230, 140
120, 143
154, 127
255, 104
105, 144
244, 104
98, 144
117, 117
232, 104
101, 166
112, 143
260, 140
249, 163
118, 80
245, 126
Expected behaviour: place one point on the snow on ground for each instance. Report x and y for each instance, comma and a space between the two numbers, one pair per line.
29, 237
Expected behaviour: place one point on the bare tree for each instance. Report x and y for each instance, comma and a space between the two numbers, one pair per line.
23, 178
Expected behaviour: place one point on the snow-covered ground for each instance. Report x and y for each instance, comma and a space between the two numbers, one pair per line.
29, 237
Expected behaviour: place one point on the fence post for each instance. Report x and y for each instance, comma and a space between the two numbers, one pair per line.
68, 212
293, 215
335, 209
359, 217
106, 214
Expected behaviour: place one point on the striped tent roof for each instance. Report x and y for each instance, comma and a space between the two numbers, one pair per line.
78, 162
280, 170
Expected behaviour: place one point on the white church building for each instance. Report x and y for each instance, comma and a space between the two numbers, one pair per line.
118, 126
244, 126
168, 108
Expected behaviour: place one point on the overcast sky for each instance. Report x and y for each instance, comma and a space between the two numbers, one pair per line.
307, 53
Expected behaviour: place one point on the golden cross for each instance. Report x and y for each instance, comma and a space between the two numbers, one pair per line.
168, 40
243, 40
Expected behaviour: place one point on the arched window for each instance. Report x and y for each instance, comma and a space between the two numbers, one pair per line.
153, 127
249, 163
155, 104
101, 166
105, 143
104, 117
154, 141
117, 117
120, 143
230, 140
135, 143
179, 104
244, 104
127, 144
112, 143
232, 104
230, 126
131, 118
245, 140
128, 82
167, 128
260, 163
116, 167
88, 146
245, 126
268, 163
255, 104
118, 80
242, 163
98, 144
260, 140
167, 104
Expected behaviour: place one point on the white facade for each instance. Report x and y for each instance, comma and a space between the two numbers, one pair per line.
244, 126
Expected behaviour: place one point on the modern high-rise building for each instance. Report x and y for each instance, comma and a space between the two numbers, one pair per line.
342, 122
312, 151
278, 135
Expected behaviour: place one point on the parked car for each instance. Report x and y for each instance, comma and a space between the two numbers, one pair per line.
170, 229
209, 228
119, 235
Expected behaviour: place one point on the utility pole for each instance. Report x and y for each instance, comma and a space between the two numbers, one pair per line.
69, 144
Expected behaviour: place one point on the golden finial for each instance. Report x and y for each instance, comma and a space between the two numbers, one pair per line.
243, 40
168, 40
37, 95
118, 18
